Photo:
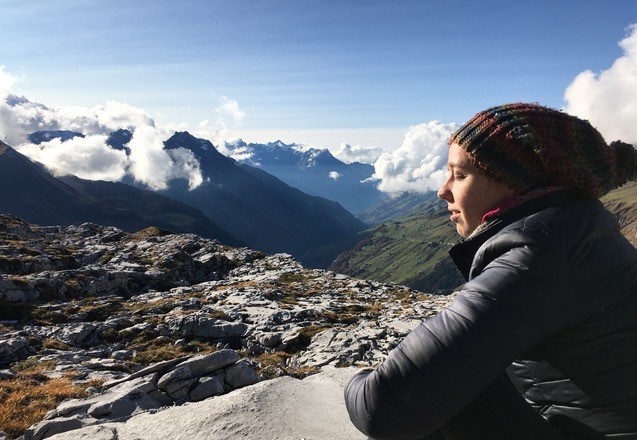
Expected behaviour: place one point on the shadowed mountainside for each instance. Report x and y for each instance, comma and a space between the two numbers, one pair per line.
260, 209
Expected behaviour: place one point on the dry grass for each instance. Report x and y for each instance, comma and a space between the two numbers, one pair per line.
158, 351
272, 365
25, 399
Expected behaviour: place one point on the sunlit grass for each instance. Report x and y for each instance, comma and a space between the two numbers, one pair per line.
26, 398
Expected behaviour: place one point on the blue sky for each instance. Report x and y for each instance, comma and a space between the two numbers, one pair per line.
339, 67
382, 82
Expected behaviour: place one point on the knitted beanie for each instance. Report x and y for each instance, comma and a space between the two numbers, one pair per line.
528, 146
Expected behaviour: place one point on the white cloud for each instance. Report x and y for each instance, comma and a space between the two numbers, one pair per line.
420, 162
335, 175
154, 166
186, 166
88, 158
356, 153
218, 132
609, 99
20, 117
235, 149
230, 108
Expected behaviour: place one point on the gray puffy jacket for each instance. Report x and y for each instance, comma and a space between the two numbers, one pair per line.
551, 299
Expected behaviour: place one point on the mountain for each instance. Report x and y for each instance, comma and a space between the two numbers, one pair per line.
412, 252
137, 322
313, 171
38, 137
29, 192
259, 208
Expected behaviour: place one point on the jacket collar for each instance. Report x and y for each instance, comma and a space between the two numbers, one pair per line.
463, 252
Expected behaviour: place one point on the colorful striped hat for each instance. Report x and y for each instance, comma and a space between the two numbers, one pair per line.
529, 146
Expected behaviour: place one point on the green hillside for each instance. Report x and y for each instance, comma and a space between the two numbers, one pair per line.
623, 202
413, 250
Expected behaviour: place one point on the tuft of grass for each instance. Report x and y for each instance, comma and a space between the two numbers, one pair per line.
272, 365
54, 344
160, 350
152, 231
292, 277
25, 399
32, 365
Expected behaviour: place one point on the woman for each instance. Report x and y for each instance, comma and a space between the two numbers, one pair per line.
541, 342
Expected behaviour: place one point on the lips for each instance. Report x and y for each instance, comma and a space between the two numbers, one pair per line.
455, 214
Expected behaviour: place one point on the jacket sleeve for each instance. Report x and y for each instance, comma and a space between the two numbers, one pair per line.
446, 362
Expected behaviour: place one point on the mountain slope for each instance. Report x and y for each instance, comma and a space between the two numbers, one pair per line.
29, 192
400, 206
413, 250
154, 209
257, 207
623, 203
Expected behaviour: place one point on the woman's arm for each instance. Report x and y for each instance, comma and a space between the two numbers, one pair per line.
445, 364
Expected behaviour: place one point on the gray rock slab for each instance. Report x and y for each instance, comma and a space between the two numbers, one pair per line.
204, 364
278, 409
97, 432
241, 374
208, 386
48, 428
199, 366
118, 406
159, 366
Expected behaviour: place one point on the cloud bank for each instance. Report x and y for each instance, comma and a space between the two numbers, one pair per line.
90, 157
419, 164
356, 153
609, 99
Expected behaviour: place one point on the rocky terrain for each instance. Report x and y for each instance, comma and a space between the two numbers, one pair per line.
152, 319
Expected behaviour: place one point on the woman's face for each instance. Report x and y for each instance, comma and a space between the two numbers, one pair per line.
469, 193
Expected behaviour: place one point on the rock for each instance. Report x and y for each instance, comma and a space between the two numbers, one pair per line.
13, 346
204, 364
203, 326
178, 390
145, 384
118, 406
122, 355
207, 386
6, 375
98, 432
269, 339
241, 374
48, 428
283, 409
154, 368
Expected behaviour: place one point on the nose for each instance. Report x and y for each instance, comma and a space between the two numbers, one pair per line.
444, 193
